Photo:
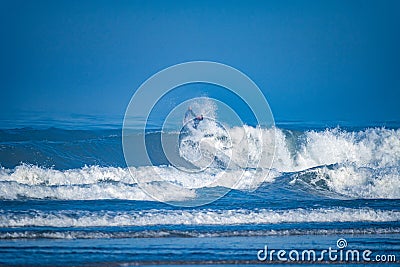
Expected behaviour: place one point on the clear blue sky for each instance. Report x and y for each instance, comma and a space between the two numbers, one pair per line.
313, 60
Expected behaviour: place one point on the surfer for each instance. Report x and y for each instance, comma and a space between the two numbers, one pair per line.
189, 115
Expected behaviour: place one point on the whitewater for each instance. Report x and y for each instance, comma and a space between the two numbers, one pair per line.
356, 164
292, 182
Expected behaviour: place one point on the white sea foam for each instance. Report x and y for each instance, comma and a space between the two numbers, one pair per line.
35, 175
95, 234
288, 152
352, 181
367, 163
284, 150
165, 192
89, 183
374, 147
377, 147
69, 218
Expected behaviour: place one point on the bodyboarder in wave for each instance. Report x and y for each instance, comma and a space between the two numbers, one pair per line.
190, 116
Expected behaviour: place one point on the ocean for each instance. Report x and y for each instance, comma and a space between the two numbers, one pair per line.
68, 198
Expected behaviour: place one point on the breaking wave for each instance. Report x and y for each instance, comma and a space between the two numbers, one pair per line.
71, 218
355, 164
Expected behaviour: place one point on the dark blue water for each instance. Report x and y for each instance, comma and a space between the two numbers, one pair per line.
68, 198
